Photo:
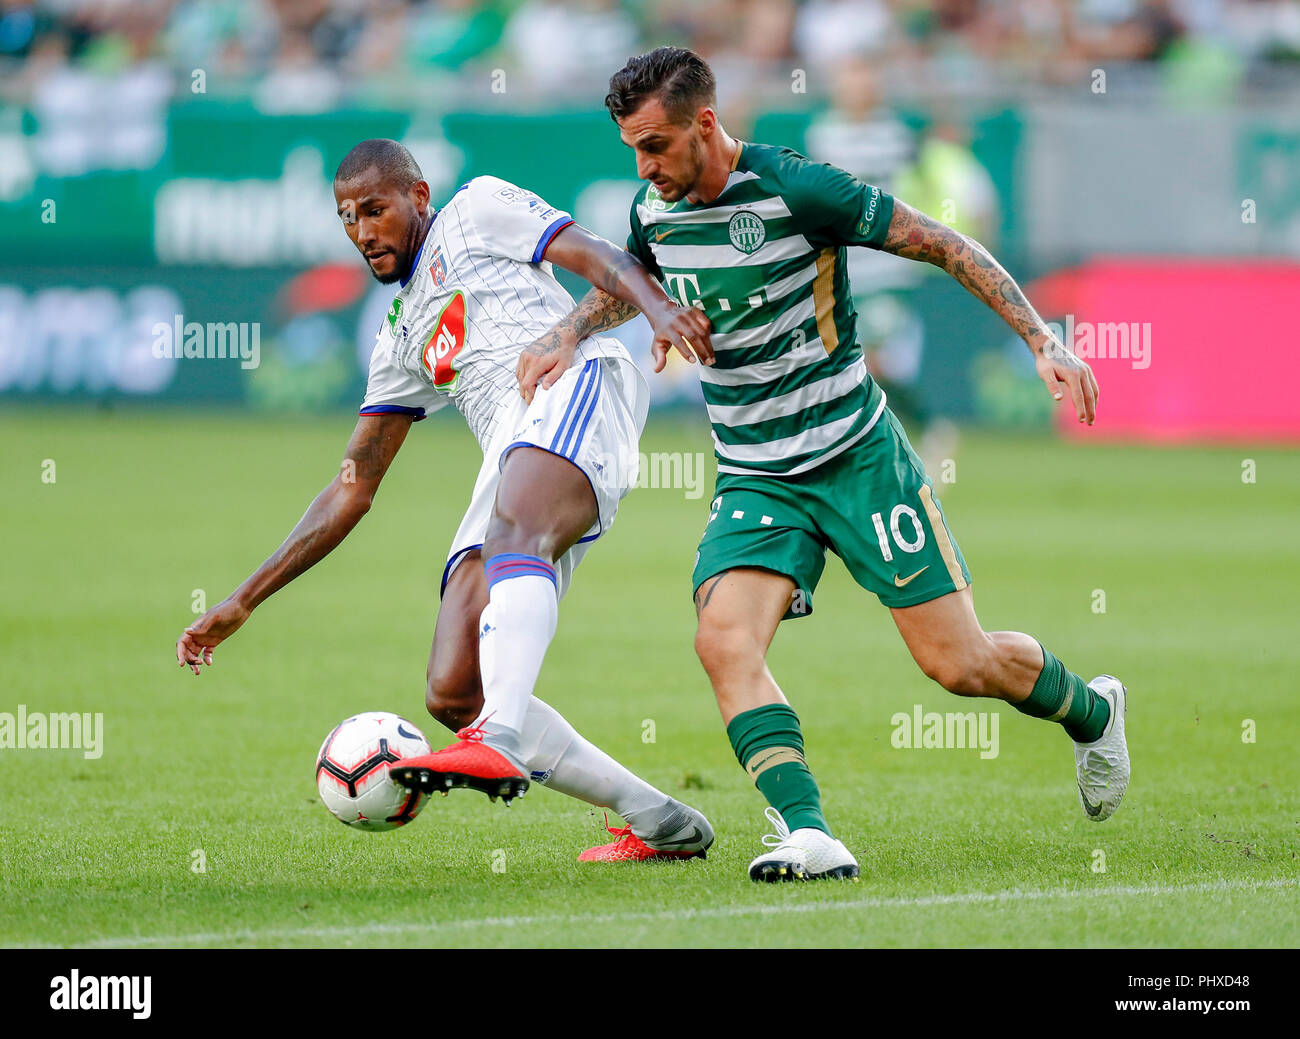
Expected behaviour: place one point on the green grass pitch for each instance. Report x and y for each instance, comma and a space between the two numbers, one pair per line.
1199, 571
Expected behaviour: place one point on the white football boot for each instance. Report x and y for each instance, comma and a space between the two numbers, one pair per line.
1102, 767
806, 854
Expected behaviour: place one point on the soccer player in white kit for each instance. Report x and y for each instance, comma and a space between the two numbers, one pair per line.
558, 422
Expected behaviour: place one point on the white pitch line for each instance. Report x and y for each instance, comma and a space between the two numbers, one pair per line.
433, 927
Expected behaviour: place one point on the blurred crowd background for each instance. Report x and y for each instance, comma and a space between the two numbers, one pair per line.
180, 152
315, 55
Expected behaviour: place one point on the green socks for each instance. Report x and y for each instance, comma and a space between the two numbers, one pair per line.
1060, 695
769, 746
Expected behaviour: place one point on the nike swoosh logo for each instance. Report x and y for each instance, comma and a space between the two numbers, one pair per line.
401, 731
1088, 806
756, 766
696, 836
903, 582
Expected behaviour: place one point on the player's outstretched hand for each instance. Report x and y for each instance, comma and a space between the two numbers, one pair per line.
684, 329
543, 362
1062, 370
195, 646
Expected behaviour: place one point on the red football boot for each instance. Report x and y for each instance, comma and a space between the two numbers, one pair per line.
467, 762
631, 848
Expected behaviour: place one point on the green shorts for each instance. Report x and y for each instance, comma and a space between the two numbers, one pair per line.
873, 506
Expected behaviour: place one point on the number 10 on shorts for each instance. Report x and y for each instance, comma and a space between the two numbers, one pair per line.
897, 515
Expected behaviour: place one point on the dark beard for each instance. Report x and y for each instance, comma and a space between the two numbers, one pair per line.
405, 260
697, 168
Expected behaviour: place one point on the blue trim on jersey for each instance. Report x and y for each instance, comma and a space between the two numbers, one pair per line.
580, 395
577, 389
583, 414
456, 558
556, 226
600, 382
415, 264
393, 409
420, 251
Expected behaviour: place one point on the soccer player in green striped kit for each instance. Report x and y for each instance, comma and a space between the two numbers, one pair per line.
809, 456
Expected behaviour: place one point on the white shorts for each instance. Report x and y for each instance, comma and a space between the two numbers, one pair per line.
593, 416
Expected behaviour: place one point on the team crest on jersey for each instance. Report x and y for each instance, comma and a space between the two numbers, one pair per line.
437, 271
446, 343
747, 232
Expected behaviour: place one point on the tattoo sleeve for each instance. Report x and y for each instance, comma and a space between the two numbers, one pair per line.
597, 311
915, 236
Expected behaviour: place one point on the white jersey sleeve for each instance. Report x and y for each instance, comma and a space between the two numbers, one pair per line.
513, 222
390, 388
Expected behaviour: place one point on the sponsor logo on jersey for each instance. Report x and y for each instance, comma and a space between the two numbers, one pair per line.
511, 194
394, 312
446, 343
747, 232
869, 216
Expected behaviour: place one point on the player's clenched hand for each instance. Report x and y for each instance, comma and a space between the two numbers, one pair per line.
1063, 371
544, 362
195, 646
684, 329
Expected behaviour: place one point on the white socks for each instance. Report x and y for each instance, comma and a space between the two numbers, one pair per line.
561, 759
515, 630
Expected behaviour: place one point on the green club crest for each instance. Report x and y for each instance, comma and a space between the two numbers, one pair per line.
747, 232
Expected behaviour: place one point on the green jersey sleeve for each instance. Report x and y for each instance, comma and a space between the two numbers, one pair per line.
834, 207
637, 243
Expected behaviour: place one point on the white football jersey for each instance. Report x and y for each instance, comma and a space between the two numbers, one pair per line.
478, 293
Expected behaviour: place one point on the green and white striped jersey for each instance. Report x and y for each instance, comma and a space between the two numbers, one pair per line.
766, 262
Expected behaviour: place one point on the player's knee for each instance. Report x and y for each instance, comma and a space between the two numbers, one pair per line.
517, 534
723, 650
454, 699
960, 673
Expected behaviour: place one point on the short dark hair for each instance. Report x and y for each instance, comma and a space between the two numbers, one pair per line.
395, 164
679, 79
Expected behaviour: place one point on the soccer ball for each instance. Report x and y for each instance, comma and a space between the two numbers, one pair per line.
352, 771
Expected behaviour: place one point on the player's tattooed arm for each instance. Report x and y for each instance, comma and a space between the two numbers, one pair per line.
328, 520
915, 236
621, 287
596, 312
